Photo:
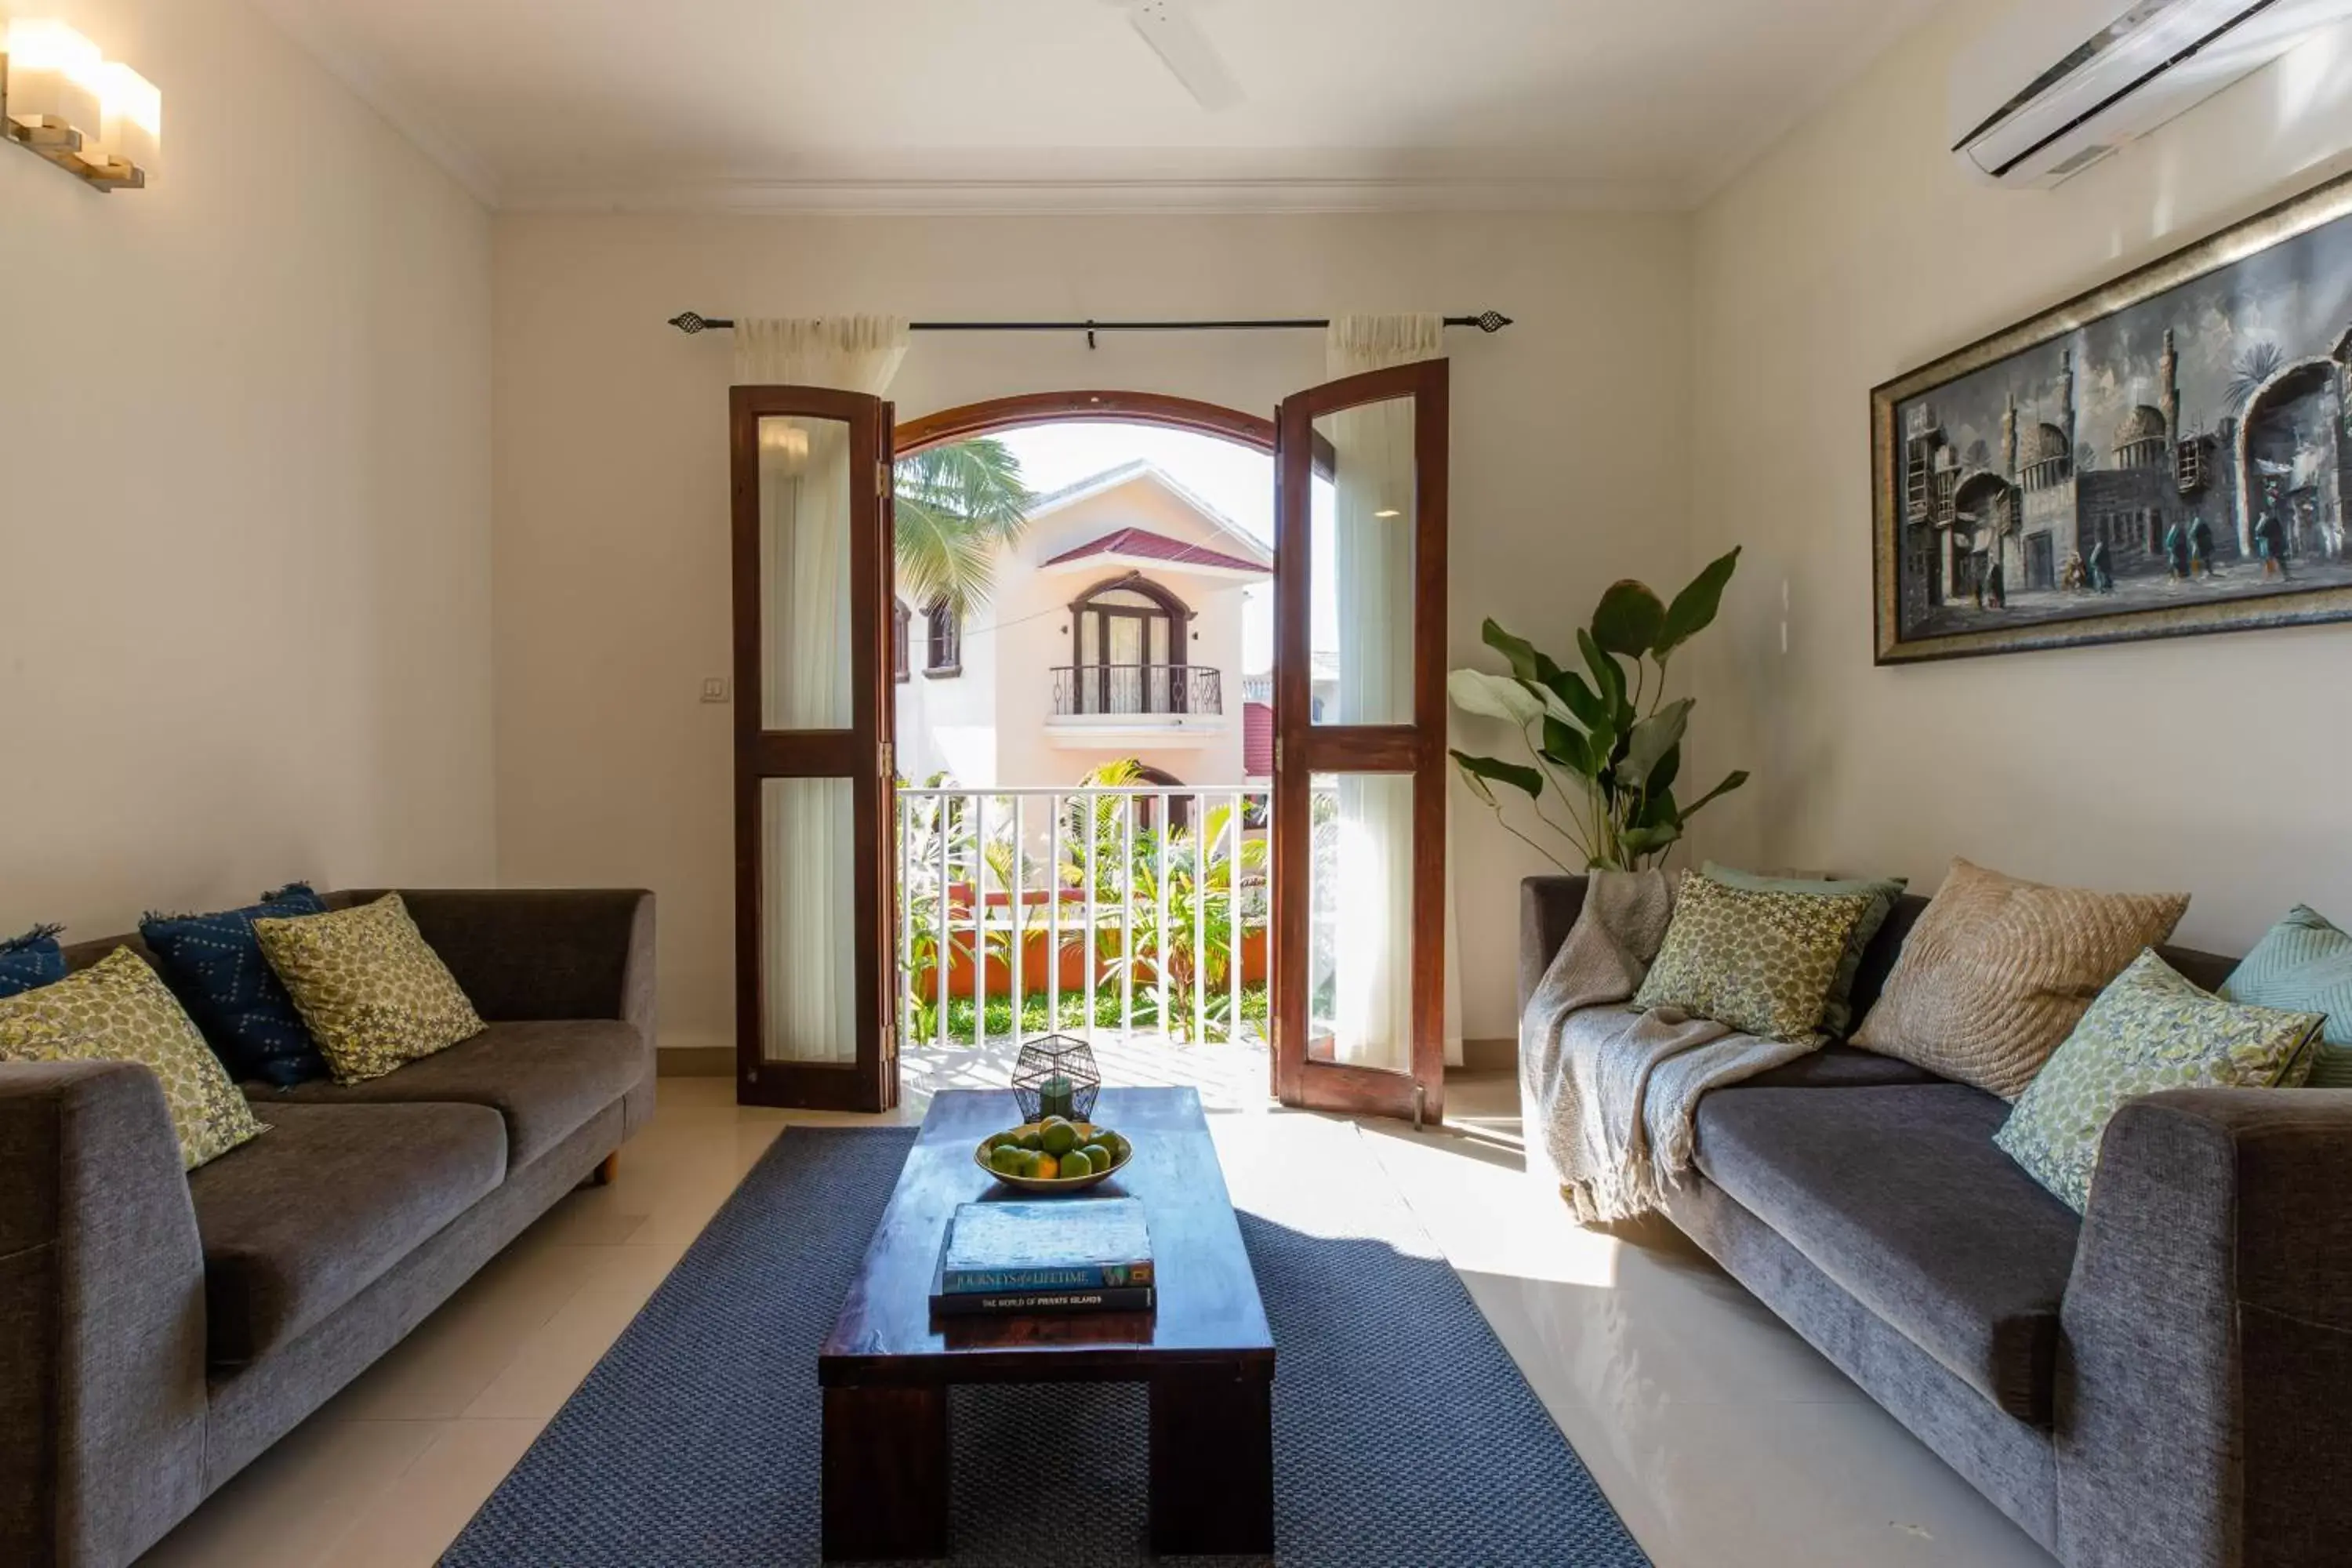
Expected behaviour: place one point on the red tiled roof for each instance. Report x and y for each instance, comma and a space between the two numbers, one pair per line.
1258, 740
1150, 546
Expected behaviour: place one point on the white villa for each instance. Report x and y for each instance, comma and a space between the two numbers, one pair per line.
1116, 632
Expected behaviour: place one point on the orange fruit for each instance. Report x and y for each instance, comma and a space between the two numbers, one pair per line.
1047, 1168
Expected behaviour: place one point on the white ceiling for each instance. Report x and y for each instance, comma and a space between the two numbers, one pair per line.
1033, 105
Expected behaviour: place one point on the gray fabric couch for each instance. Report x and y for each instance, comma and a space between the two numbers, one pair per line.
2166, 1380
159, 1330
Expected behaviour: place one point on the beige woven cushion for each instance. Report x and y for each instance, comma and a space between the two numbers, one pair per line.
1997, 972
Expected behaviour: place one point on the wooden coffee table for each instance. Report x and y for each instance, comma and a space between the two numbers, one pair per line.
1206, 1355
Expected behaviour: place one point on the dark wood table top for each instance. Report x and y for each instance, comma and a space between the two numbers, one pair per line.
1208, 1308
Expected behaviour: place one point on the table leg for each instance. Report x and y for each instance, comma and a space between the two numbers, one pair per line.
1213, 1461
886, 1473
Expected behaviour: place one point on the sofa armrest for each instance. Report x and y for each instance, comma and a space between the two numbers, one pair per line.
525, 953
103, 1396
2205, 1370
1548, 909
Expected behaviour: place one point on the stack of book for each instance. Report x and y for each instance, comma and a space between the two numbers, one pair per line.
1057, 1256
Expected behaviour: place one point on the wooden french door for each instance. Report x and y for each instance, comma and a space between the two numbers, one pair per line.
813, 698
1359, 754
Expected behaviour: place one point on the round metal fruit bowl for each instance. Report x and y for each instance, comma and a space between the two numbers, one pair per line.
1086, 1129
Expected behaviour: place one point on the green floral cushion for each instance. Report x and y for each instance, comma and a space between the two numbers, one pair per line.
375, 996
1759, 961
1837, 1016
120, 1010
2151, 1029
2305, 966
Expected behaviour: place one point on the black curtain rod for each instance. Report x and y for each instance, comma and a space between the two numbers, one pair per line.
690, 322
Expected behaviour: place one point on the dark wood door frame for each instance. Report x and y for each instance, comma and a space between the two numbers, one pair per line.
1303, 748
870, 1081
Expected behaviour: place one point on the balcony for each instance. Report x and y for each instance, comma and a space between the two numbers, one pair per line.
1161, 704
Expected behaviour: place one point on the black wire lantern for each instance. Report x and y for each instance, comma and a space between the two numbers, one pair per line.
1057, 1076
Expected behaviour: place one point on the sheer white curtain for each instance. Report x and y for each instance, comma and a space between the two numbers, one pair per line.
1374, 516
808, 870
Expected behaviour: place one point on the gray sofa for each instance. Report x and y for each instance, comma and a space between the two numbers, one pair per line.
159, 1330
2166, 1380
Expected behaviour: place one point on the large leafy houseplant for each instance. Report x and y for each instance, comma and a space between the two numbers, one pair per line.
1603, 740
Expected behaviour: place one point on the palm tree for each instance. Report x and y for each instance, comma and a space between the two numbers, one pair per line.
957, 504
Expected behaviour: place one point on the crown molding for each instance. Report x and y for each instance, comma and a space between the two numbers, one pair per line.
1092, 197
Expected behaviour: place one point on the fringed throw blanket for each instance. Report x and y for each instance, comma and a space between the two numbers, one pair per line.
1607, 1093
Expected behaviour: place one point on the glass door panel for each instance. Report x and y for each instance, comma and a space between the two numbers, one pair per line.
1359, 970
1362, 563
814, 698
1359, 754
805, 579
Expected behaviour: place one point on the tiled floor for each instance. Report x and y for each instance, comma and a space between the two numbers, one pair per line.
1720, 1437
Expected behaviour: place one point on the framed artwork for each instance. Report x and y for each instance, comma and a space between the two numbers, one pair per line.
2166, 455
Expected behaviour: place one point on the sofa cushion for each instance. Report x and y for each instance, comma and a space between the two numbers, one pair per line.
214, 963
1840, 1066
297, 1224
1898, 1194
31, 960
1997, 971
1760, 961
375, 995
118, 1009
546, 1077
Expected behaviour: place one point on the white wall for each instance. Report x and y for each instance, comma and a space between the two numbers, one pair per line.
1571, 444
245, 480
1854, 251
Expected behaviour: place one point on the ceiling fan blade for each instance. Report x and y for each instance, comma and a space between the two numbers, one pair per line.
1170, 29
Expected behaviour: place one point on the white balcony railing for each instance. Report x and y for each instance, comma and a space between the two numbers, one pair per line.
1085, 910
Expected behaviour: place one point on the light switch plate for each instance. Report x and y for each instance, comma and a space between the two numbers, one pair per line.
714, 688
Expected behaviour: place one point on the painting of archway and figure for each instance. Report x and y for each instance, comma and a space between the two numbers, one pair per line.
2168, 454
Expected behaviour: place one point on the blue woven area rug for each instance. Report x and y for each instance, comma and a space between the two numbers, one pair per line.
1404, 1437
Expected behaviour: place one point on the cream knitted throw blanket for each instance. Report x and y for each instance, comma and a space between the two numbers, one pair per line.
1607, 1094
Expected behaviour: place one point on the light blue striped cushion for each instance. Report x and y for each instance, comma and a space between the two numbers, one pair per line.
2305, 966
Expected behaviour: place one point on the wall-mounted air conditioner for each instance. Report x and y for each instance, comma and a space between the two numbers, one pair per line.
2062, 83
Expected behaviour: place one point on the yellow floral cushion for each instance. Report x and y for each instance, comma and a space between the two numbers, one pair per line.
1761, 961
120, 1010
375, 997
2151, 1029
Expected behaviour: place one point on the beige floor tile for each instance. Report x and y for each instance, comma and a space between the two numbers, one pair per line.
413, 1522
290, 1505
546, 1369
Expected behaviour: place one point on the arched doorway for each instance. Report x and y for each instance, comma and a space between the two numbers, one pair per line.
992, 415
1128, 647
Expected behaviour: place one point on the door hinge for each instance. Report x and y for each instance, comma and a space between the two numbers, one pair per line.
889, 1043
882, 478
889, 774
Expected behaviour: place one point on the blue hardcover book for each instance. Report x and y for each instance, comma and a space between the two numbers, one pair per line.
1059, 1245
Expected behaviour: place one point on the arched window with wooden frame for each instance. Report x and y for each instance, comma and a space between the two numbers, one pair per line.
1127, 637
944, 632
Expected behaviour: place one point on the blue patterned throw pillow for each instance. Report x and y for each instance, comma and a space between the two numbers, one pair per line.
32, 960
215, 962
2305, 966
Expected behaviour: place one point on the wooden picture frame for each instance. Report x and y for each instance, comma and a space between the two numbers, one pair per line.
2166, 455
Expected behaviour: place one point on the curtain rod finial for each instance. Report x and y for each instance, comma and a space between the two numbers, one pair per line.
688, 322
1490, 320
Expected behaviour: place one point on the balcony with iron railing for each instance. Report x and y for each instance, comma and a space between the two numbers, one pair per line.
1094, 702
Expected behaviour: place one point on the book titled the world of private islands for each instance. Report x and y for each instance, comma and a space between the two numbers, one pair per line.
1000, 1282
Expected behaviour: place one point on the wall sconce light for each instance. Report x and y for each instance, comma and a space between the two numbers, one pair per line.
61, 99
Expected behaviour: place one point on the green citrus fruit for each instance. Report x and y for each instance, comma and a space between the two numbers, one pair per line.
1033, 1140
1007, 1161
1004, 1139
1059, 1137
1100, 1153
1078, 1162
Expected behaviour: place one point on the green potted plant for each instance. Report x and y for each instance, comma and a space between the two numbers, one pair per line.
1602, 741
